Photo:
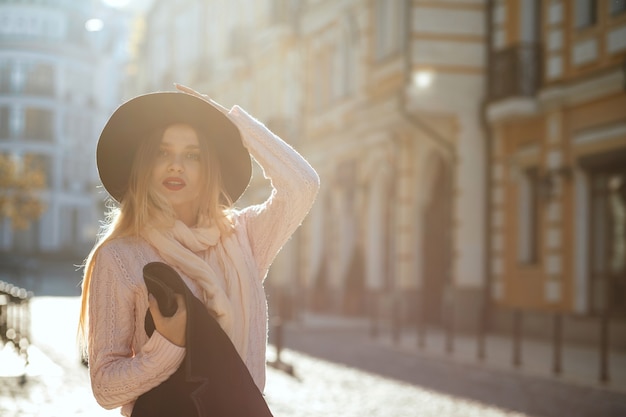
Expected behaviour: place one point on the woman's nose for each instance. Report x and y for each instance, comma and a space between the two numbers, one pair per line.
175, 165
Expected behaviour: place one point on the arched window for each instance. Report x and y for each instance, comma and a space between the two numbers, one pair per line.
617, 7
585, 13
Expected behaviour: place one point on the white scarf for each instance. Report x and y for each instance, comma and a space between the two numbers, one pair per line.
225, 291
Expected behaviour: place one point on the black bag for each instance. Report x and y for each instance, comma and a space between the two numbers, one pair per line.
212, 380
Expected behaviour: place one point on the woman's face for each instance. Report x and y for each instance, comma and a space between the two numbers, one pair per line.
176, 172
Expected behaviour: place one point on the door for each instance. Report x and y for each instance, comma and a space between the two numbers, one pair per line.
608, 240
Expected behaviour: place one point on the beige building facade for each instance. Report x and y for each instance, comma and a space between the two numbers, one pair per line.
557, 120
384, 99
58, 83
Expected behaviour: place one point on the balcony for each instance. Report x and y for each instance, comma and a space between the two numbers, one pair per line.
515, 72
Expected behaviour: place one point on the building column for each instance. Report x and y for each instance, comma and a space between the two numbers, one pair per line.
403, 234
468, 225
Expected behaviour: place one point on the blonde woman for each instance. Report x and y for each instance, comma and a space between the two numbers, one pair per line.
175, 162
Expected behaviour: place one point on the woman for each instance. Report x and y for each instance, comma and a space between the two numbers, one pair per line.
175, 162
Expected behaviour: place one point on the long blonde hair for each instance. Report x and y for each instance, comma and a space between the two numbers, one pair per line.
141, 206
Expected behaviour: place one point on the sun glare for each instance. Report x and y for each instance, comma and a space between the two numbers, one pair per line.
423, 79
94, 25
116, 3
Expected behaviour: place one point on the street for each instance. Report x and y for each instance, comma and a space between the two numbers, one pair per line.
379, 377
323, 388
339, 372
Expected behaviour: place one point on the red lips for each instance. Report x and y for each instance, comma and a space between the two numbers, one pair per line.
174, 183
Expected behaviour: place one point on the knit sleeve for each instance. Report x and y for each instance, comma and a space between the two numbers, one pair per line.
118, 374
294, 187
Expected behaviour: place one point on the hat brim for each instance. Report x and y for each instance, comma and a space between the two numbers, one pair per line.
138, 117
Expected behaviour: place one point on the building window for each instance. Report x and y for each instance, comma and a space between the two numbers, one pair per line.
280, 11
186, 36
75, 32
27, 240
586, 13
5, 77
528, 218
39, 79
617, 7
608, 240
38, 124
530, 21
345, 60
239, 41
389, 19
158, 67
5, 132
322, 79
16, 121
44, 164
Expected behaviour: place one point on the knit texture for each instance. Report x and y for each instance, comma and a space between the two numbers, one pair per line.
124, 362
186, 249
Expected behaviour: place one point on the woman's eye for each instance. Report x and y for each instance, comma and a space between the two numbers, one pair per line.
194, 156
162, 153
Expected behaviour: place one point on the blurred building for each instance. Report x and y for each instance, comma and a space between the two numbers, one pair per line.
58, 83
556, 116
393, 90
383, 97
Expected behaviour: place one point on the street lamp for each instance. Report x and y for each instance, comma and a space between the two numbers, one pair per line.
94, 25
423, 79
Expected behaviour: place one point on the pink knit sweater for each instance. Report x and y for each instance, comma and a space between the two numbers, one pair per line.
123, 362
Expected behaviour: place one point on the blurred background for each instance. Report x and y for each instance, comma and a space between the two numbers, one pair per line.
472, 156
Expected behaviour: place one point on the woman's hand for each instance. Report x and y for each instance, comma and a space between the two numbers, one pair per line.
172, 328
193, 92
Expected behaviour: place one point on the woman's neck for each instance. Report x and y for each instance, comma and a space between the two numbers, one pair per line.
187, 215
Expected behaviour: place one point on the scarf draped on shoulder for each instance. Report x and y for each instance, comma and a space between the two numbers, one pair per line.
216, 263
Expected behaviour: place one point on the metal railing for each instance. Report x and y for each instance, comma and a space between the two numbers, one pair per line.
512, 331
15, 317
515, 72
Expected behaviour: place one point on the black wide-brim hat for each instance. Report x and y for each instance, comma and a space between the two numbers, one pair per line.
138, 117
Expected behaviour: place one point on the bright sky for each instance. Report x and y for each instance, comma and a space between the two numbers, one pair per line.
136, 5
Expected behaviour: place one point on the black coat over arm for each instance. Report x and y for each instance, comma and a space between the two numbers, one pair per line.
213, 380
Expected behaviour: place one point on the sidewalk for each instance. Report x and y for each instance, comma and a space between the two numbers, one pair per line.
495, 384
54, 383
580, 365
340, 371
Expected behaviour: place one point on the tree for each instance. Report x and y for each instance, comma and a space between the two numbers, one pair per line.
20, 179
